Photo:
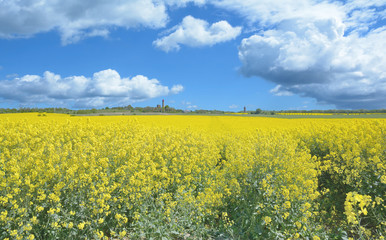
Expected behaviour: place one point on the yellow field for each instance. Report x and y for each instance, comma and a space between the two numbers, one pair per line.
325, 114
191, 177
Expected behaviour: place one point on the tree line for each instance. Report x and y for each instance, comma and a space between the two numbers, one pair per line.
168, 109
332, 111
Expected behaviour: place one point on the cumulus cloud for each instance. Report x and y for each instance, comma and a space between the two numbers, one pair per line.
268, 12
177, 89
183, 3
75, 19
330, 51
195, 32
279, 91
189, 105
192, 107
103, 88
233, 106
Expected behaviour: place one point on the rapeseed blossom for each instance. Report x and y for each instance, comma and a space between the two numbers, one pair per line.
191, 176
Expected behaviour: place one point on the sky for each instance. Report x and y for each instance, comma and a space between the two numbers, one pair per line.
195, 54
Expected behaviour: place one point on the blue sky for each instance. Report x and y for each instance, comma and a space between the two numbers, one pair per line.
199, 54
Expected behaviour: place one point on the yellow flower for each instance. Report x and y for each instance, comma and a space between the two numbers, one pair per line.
100, 234
31, 237
55, 225
298, 225
13, 233
28, 227
81, 225
51, 211
34, 220
267, 220
287, 204
201, 161
122, 234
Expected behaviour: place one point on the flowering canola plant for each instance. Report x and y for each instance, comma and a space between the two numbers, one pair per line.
191, 177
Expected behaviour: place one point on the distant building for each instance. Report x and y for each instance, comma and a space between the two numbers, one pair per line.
245, 109
163, 103
158, 106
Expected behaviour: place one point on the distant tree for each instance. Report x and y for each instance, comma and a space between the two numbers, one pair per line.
149, 109
258, 111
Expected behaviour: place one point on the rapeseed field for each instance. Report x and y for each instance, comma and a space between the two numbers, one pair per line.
191, 177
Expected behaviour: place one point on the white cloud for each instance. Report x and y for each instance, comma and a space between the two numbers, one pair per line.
278, 91
347, 71
233, 106
268, 12
75, 19
195, 32
183, 3
330, 51
177, 89
105, 87
192, 106
189, 105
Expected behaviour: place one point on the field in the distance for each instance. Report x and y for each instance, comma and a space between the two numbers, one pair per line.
191, 177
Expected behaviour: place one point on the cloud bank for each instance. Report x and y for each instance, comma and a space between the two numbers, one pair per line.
332, 51
329, 51
75, 19
195, 32
103, 88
